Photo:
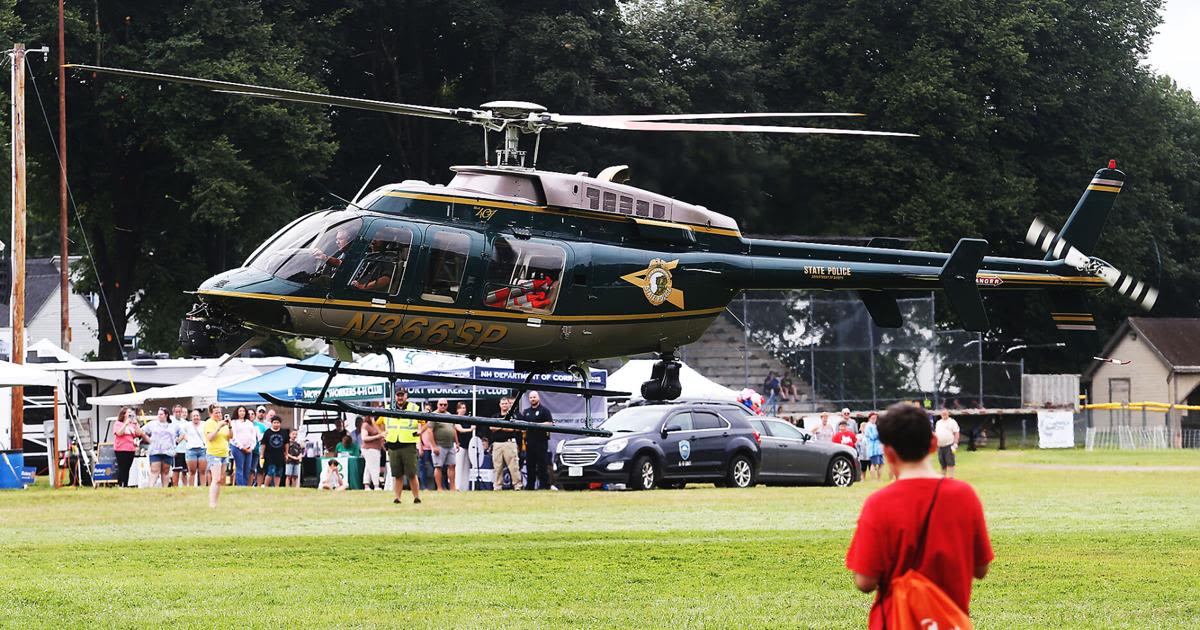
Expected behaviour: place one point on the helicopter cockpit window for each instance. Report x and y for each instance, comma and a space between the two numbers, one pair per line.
524, 276
382, 266
310, 250
447, 263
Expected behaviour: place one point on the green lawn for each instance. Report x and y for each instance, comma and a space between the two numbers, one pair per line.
1075, 548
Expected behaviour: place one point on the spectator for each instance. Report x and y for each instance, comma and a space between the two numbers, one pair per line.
331, 439
179, 468
332, 478
372, 450
293, 458
771, 388
463, 435
537, 445
947, 441
823, 432
891, 535
262, 423
274, 445
504, 451
850, 422
217, 433
425, 456
126, 431
164, 437
787, 389
442, 448
401, 443
245, 440
845, 436
874, 446
860, 445
194, 455
348, 447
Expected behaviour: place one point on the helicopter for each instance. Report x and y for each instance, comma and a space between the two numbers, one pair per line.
554, 270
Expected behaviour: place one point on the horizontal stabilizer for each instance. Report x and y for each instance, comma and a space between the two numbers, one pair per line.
882, 306
519, 425
958, 282
1074, 320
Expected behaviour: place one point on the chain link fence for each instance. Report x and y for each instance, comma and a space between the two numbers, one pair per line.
834, 346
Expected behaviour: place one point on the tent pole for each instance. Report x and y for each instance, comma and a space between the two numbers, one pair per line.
52, 445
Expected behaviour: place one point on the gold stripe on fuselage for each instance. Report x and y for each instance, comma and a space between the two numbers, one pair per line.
574, 212
463, 312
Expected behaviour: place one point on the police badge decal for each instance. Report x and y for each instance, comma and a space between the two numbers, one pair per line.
655, 282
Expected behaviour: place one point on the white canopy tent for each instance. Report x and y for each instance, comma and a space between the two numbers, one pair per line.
201, 389
14, 374
695, 386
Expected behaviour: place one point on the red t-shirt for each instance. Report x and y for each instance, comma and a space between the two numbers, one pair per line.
845, 437
890, 522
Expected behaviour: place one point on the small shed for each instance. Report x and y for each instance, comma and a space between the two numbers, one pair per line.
1164, 356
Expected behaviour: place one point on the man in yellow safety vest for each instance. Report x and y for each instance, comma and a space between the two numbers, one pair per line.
401, 443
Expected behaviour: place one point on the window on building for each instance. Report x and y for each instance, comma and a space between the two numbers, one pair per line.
524, 275
1118, 390
448, 252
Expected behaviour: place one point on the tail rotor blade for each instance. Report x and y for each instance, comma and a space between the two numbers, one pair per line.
1046, 239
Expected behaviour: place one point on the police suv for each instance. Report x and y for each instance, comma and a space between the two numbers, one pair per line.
665, 444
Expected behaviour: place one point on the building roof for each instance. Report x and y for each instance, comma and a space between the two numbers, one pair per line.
41, 283
1175, 340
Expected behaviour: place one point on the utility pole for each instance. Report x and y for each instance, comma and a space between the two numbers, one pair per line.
17, 312
64, 296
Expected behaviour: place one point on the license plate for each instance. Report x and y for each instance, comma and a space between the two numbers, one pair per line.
575, 471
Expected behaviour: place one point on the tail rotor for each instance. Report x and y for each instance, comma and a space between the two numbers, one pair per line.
1045, 238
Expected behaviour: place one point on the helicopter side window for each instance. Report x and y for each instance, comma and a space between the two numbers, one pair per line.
660, 211
643, 208
610, 201
593, 197
447, 264
524, 275
312, 250
626, 205
382, 265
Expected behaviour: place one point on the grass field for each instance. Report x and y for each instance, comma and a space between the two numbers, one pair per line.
1081, 539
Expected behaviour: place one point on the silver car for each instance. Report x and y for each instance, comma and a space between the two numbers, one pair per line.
790, 455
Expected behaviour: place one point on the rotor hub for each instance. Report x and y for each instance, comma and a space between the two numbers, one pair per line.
513, 110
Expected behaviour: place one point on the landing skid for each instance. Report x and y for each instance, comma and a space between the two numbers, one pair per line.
339, 406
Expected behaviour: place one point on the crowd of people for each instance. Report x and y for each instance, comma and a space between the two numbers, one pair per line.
210, 447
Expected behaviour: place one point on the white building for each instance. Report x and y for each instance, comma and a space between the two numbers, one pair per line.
43, 311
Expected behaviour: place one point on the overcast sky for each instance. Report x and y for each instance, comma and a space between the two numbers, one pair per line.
1175, 50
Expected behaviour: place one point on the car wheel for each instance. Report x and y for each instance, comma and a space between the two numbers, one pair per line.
841, 472
645, 473
741, 472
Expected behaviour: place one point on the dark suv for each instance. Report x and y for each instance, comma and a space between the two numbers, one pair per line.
665, 445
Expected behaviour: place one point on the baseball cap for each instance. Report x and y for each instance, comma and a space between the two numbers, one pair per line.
261, 408
845, 410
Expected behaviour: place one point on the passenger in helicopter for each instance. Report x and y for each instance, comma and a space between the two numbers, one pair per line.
376, 272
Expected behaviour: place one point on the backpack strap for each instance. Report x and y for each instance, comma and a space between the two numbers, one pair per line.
918, 553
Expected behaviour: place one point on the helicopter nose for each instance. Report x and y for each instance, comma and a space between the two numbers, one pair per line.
247, 297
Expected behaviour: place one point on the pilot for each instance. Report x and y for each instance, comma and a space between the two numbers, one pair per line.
374, 277
334, 259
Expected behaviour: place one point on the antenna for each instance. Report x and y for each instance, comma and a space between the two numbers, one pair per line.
364, 186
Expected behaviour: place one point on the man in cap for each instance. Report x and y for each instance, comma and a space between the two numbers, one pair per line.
851, 423
401, 444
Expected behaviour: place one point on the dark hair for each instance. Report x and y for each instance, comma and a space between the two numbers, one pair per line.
906, 429
843, 423
347, 441
237, 413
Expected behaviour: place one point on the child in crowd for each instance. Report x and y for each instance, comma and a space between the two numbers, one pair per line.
333, 478
844, 436
860, 444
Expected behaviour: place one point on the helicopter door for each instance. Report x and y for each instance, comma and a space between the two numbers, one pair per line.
368, 284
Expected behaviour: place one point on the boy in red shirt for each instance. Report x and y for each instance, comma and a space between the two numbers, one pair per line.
957, 547
844, 436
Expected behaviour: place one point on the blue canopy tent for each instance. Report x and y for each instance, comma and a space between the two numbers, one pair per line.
285, 383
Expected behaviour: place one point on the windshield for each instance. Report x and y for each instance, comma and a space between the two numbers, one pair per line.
310, 249
635, 419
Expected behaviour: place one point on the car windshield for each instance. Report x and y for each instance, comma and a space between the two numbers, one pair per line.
634, 420
310, 249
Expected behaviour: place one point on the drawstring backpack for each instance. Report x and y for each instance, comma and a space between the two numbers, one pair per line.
916, 602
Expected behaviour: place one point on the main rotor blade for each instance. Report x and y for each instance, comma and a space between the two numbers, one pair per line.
586, 118
462, 115
639, 125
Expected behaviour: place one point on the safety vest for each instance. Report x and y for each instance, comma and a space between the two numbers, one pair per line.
403, 430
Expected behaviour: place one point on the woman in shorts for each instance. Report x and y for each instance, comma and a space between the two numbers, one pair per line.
194, 456
163, 438
126, 431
